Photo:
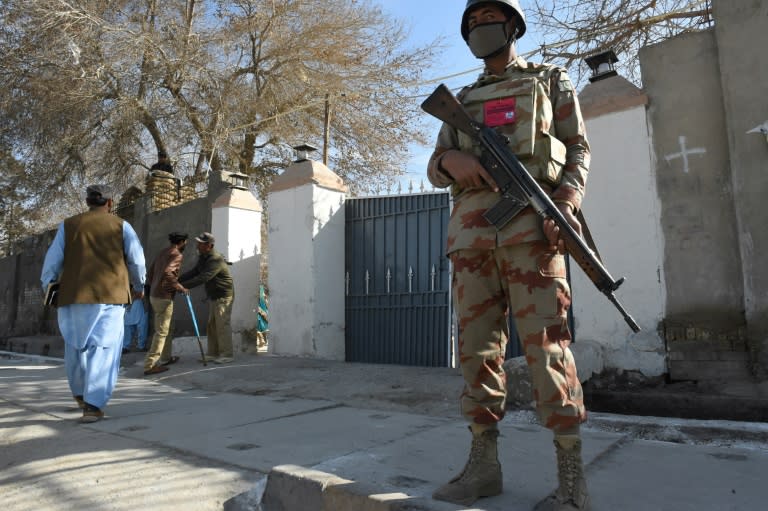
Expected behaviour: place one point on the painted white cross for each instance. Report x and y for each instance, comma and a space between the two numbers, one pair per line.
684, 152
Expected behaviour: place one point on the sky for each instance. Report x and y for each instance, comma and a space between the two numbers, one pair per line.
426, 21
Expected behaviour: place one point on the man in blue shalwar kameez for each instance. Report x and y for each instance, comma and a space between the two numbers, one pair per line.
136, 323
98, 261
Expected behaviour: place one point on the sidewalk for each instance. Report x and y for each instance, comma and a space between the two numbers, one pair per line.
320, 435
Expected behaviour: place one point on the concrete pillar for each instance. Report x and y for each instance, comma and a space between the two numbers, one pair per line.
236, 225
306, 262
623, 210
741, 39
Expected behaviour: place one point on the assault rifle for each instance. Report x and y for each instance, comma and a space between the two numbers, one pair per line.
519, 190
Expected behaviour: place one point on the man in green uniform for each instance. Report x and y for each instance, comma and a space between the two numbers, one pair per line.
213, 271
519, 270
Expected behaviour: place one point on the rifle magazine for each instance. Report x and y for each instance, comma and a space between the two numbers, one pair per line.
501, 213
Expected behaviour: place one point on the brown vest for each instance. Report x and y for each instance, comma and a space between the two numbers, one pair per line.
94, 261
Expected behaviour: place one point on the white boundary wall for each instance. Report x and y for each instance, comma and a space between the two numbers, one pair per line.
623, 209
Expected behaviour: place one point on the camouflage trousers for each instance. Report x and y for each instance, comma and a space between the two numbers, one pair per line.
528, 281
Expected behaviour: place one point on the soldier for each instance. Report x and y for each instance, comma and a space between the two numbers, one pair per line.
519, 270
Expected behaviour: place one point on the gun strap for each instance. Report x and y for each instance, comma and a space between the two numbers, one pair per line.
587, 235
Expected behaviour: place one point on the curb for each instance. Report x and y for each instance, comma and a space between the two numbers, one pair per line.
295, 488
39, 358
688, 405
683, 431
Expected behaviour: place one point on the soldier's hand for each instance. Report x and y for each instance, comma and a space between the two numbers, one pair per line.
552, 231
466, 170
138, 295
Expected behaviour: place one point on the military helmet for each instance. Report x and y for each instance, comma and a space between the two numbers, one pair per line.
509, 6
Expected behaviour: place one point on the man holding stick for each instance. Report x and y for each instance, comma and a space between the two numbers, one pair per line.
164, 284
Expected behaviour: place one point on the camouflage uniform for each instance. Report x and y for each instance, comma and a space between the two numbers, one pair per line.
514, 270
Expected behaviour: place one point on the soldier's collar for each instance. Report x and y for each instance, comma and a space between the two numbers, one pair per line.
518, 63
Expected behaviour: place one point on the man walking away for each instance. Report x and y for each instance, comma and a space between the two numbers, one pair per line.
164, 284
213, 271
99, 262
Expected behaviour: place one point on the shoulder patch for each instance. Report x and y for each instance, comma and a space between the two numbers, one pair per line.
564, 81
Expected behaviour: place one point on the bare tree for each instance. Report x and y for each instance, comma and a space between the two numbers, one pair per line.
21, 210
11, 219
92, 89
570, 30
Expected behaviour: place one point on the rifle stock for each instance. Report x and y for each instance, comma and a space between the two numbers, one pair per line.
518, 190
444, 105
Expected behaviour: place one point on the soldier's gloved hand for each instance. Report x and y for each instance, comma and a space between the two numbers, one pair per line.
466, 170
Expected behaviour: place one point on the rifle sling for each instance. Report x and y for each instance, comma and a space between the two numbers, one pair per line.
587, 235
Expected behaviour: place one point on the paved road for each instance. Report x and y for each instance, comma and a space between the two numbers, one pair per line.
343, 436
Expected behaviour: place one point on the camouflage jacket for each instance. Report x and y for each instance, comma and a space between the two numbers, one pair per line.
536, 107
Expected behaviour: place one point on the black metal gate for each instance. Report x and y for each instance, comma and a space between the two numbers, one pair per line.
398, 280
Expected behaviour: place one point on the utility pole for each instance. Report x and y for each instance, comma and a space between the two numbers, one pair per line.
327, 128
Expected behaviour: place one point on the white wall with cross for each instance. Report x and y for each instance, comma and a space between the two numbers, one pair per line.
684, 153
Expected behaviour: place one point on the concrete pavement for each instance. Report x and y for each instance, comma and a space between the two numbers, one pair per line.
275, 434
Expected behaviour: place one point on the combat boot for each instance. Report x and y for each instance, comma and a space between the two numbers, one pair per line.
571, 494
481, 476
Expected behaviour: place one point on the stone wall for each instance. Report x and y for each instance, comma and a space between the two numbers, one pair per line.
21, 296
21, 310
705, 95
702, 261
741, 41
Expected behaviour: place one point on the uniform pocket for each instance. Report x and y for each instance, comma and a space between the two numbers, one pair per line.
551, 264
556, 152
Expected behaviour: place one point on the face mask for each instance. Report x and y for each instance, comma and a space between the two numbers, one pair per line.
488, 40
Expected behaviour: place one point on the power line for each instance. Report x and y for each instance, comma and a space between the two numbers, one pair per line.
605, 29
